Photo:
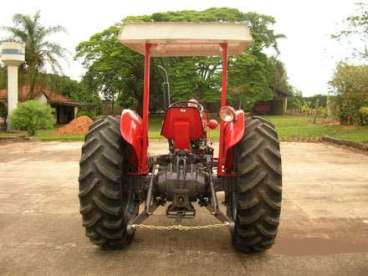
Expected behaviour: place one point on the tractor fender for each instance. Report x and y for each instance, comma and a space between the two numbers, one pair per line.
131, 129
233, 133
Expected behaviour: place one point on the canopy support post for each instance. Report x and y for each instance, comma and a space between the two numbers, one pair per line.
224, 47
224, 74
145, 112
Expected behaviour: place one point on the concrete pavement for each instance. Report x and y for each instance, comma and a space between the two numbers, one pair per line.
324, 229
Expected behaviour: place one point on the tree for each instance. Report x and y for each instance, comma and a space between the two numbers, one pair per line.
280, 78
117, 73
350, 83
200, 77
250, 76
356, 29
75, 90
39, 50
113, 70
295, 100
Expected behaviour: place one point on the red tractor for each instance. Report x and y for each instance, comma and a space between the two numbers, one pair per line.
117, 175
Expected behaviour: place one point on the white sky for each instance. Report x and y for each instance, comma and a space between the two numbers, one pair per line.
308, 52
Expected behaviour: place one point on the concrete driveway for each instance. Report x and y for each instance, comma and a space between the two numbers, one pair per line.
324, 228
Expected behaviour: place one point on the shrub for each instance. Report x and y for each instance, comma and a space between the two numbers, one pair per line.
350, 84
86, 113
364, 115
32, 116
3, 110
305, 108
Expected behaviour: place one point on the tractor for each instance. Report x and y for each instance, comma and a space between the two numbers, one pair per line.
120, 184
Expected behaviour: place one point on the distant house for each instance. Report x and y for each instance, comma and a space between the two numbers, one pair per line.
276, 106
65, 108
107, 108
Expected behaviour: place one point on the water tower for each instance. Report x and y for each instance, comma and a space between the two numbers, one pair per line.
12, 55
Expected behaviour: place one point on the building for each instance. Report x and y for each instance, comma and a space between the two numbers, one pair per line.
107, 108
276, 106
65, 109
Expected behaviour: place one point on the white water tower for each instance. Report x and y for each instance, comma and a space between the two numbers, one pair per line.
12, 55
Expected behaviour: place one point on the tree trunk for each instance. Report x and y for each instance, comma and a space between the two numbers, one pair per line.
112, 104
316, 112
32, 83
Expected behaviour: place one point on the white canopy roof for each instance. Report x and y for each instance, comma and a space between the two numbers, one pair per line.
186, 39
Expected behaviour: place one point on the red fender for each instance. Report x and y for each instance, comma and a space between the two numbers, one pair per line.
131, 129
233, 132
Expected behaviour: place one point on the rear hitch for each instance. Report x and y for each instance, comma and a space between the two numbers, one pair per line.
181, 206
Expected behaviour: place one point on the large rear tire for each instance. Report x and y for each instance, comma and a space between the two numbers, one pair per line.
107, 201
255, 195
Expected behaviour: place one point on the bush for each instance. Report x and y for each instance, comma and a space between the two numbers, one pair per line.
364, 115
348, 112
3, 110
349, 84
86, 113
32, 116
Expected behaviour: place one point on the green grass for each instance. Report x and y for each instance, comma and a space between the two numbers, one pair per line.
43, 135
52, 135
301, 127
359, 134
290, 128
155, 127
4, 134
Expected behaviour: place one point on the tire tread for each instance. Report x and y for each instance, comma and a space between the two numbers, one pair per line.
102, 200
258, 187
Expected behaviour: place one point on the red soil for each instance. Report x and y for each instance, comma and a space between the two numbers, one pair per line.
79, 125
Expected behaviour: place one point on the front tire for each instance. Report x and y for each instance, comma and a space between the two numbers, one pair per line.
256, 192
107, 201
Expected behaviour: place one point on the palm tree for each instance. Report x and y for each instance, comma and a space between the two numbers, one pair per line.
39, 50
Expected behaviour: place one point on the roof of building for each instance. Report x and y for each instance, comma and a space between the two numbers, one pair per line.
281, 93
52, 97
186, 38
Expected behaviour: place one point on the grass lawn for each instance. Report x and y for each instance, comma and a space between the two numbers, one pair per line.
290, 128
301, 127
52, 135
43, 135
4, 134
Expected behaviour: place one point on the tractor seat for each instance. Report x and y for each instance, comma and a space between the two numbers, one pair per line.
182, 125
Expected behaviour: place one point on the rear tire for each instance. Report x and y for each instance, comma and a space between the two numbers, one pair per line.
107, 201
256, 193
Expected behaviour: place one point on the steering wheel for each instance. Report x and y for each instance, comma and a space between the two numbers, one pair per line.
188, 104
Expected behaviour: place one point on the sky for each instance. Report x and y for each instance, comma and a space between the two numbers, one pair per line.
310, 55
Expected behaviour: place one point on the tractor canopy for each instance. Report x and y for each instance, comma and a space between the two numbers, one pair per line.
164, 39
186, 39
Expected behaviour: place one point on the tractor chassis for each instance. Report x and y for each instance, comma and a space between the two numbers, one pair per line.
180, 206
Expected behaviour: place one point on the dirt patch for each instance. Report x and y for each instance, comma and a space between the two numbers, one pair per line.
348, 127
329, 122
79, 125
